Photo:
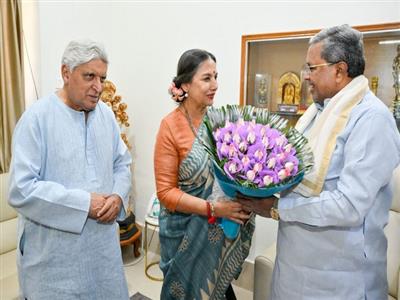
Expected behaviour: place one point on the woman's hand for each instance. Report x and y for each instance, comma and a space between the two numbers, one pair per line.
231, 210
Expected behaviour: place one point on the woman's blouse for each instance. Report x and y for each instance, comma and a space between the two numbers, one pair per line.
174, 142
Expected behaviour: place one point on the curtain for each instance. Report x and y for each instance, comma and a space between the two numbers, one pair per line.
11, 76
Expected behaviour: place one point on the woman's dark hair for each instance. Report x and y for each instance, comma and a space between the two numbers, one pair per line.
188, 64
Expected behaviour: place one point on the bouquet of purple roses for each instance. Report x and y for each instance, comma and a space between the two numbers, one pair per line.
255, 152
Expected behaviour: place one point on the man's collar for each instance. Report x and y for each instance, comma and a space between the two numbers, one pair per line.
320, 106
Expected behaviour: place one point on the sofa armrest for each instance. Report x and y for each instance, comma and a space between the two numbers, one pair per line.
398, 285
263, 267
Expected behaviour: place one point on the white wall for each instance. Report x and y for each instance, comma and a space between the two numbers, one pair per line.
145, 39
30, 24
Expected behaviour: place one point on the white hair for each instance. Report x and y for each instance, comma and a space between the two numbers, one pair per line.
82, 51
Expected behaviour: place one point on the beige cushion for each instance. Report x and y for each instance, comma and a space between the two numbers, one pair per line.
398, 288
392, 231
8, 263
8, 243
263, 267
8, 236
8, 276
396, 190
8, 218
6, 211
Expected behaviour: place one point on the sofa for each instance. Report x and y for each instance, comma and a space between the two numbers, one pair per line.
264, 263
8, 244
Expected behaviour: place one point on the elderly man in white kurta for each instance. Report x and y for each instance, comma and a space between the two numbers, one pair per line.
331, 244
70, 181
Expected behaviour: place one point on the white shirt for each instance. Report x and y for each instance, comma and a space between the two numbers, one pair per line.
333, 246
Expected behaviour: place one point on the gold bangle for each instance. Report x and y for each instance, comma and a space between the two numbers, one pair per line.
211, 213
212, 209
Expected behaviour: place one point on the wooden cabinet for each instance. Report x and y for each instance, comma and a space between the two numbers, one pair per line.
271, 62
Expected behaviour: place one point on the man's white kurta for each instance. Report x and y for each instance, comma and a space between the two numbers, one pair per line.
333, 247
58, 160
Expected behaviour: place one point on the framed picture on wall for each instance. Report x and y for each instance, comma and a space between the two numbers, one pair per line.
275, 54
262, 90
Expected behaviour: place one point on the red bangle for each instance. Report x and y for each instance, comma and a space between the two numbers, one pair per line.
211, 213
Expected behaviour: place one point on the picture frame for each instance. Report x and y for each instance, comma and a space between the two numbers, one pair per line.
262, 90
278, 52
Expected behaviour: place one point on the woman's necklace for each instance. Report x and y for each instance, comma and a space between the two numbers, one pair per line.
189, 119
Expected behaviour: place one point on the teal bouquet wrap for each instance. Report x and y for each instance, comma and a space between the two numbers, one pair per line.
255, 153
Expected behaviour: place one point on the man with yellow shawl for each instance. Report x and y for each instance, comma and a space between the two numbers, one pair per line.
331, 243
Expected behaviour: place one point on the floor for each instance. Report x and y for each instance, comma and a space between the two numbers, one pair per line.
138, 282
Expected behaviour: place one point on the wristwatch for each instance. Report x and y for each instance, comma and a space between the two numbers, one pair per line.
274, 212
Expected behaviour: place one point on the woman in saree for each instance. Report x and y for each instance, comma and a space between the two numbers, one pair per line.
197, 261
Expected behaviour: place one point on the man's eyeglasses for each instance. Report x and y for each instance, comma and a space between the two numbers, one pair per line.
307, 69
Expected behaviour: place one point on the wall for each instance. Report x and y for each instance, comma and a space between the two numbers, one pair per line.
145, 39
31, 51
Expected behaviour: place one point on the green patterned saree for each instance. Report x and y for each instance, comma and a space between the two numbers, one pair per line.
197, 260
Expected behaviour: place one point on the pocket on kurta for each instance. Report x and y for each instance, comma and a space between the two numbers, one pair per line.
21, 243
